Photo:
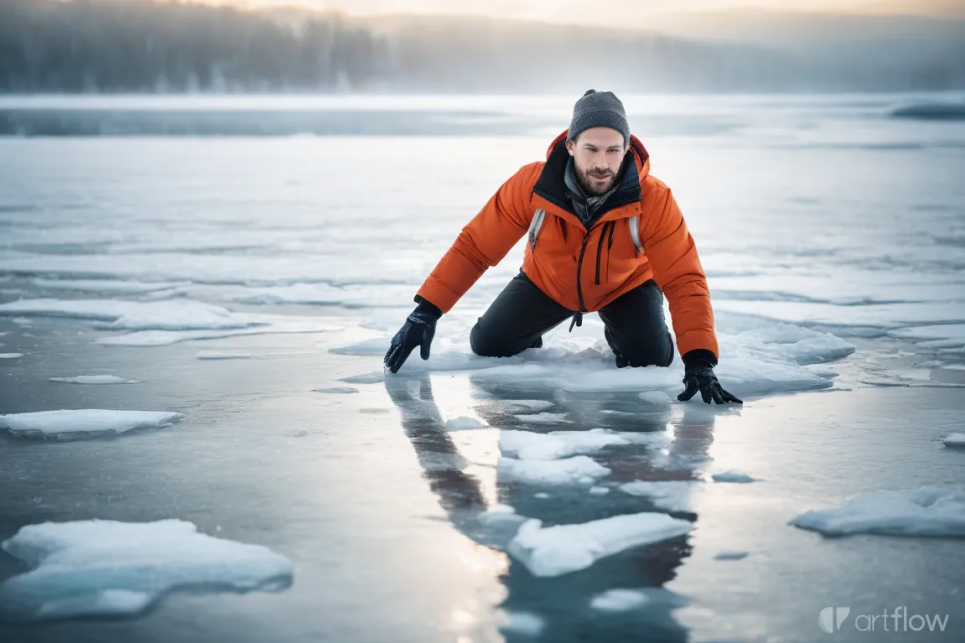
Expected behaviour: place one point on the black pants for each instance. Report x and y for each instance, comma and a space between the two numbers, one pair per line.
521, 314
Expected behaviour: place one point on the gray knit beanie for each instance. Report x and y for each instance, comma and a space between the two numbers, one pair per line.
599, 109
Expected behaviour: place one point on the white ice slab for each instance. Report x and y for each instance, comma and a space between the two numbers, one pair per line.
359, 295
527, 445
543, 418
521, 623
107, 568
273, 324
955, 440
619, 600
83, 423
180, 314
553, 551
929, 511
731, 555
576, 470
10, 355
93, 379
222, 355
672, 495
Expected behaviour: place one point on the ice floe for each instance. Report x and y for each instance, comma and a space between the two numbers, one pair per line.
10, 355
107, 568
619, 600
222, 355
83, 422
732, 476
521, 623
672, 495
731, 555
929, 511
552, 551
338, 390
93, 379
954, 440
576, 470
527, 445
113, 286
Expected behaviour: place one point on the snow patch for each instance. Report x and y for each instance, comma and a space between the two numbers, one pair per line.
527, 445
672, 495
619, 600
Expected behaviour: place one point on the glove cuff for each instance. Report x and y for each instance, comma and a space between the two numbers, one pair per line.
699, 358
427, 307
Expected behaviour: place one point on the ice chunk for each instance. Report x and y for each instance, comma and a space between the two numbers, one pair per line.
937, 336
356, 295
730, 555
657, 398
10, 355
955, 440
218, 355
93, 379
461, 423
522, 623
672, 495
732, 476
618, 600
557, 550
83, 423
527, 445
108, 568
599, 491
929, 511
264, 324
576, 470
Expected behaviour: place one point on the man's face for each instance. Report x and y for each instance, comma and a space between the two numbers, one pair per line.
597, 154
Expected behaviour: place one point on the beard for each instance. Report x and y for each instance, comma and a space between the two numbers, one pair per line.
595, 183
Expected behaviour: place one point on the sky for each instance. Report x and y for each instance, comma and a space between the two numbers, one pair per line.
581, 11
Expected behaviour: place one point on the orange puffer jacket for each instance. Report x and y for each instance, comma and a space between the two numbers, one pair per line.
641, 236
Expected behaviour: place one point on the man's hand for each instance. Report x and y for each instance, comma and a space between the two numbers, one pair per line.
702, 378
419, 329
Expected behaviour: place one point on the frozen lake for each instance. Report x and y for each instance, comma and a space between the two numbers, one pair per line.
232, 271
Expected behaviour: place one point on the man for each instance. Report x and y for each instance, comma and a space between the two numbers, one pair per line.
604, 236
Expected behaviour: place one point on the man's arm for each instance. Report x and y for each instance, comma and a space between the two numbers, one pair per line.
484, 241
676, 268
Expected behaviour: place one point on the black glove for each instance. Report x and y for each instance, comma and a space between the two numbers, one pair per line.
419, 329
699, 376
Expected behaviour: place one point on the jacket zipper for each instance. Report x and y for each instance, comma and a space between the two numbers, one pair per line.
579, 268
609, 249
599, 252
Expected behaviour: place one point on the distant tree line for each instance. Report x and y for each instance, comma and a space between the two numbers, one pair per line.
115, 46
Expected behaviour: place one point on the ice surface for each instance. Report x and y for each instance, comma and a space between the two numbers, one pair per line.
365, 378
656, 398
462, 423
732, 476
83, 423
672, 495
339, 390
576, 470
527, 445
265, 325
131, 315
619, 600
557, 550
731, 555
955, 440
928, 511
10, 355
93, 379
937, 336
367, 295
543, 418
113, 286
218, 355
107, 568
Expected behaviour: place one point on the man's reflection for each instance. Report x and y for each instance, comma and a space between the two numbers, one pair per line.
563, 602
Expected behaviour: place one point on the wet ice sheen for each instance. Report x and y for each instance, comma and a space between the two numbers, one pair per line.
108, 568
